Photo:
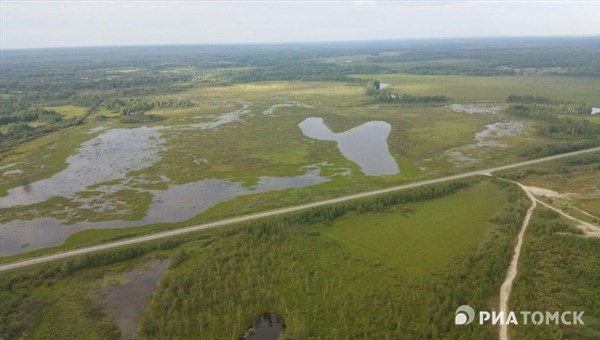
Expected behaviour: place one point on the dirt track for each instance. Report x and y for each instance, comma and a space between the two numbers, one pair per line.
512, 269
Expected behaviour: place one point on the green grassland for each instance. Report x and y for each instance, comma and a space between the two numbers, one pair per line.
302, 268
396, 238
473, 88
68, 111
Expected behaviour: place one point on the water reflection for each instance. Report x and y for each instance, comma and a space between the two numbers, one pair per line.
127, 301
177, 203
365, 145
268, 326
105, 158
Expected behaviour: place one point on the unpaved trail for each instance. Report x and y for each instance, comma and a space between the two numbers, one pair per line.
512, 269
588, 229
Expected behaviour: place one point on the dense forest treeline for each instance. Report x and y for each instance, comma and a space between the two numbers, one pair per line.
554, 126
568, 134
321, 289
387, 96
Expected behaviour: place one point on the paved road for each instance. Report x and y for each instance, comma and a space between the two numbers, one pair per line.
283, 211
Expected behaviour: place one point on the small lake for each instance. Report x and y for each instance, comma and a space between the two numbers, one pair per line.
268, 326
126, 301
366, 145
595, 110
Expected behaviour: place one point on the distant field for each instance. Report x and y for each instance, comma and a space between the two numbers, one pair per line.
496, 87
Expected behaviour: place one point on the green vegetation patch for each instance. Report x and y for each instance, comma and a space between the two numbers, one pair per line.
498, 88
69, 111
559, 271
424, 237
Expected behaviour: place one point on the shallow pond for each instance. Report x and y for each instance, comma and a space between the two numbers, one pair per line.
104, 158
490, 137
126, 301
366, 145
268, 326
177, 203
225, 118
595, 110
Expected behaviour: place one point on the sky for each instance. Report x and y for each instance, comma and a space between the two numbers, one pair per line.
36, 24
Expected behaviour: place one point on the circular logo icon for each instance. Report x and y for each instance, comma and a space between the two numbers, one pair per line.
464, 315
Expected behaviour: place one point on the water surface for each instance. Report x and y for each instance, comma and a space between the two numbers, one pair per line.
127, 301
268, 326
177, 203
105, 158
366, 145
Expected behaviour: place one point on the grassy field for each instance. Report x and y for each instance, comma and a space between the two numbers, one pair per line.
425, 237
68, 111
472, 88
321, 287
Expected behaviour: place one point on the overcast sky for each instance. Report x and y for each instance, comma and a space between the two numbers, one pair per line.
26, 24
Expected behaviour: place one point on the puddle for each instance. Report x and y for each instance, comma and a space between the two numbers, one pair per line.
268, 326
384, 85
366, 145
127, 301
595, 110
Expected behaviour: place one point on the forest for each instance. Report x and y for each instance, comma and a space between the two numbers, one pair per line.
287, 264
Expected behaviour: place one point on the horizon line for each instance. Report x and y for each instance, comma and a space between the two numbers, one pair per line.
298, 42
